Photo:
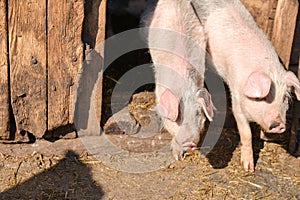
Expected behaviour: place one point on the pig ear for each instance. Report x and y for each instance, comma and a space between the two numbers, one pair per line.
293, 81
204, 98
258, 85
168, 105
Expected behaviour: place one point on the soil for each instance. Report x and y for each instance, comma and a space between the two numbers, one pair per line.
65, 170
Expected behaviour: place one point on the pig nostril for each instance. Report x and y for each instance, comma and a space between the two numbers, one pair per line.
274, 125
282, 129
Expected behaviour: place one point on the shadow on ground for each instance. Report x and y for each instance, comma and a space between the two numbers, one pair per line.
222, 152
68, 179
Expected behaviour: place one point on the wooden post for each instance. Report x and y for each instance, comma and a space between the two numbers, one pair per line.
93, 35
100, 49
65, 54
4, 92
261, 11
27, 46
284, 28
88, 96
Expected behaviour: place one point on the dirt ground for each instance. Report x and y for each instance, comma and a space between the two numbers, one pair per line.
78, 168
65, 170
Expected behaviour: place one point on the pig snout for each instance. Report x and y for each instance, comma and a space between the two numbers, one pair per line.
277, 127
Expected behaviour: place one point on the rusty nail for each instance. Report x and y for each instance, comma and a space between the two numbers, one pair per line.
74, 58
34, 61
21, 95
53, 88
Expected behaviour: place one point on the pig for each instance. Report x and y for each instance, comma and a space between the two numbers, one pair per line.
242, 55
182, 102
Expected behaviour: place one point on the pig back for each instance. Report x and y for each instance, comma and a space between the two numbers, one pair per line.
189, 42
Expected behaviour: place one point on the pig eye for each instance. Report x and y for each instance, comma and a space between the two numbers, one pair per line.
264, 99
260, 99
286, 99
198, 112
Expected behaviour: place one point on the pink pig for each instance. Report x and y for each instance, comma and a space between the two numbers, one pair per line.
179, 64
248, 63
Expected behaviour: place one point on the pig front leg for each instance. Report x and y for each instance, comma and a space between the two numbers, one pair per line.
244, 129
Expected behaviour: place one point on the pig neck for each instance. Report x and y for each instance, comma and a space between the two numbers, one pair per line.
237, 46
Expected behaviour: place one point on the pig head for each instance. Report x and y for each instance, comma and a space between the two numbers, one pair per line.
185, 118
266, 102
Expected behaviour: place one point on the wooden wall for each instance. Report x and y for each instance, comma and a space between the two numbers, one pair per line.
4, 84
42, 45
41, 52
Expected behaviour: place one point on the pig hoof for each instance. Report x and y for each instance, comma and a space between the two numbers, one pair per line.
247, 159
178, 155
248, 167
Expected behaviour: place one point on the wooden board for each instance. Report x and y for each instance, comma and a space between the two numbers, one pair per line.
93, 36
27, 46
261, 11
284, 28
101, 26
65, 54
100, 49
4, 92
296, 44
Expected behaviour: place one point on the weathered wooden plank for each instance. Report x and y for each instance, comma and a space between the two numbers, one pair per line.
271, 18
94, 22
27, 46
65, 54
4, 92
93, 36
100, 48
296, 44
101, 26
260, 10
284, 27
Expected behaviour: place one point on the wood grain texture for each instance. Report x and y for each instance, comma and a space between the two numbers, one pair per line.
100, 49
101, 27
4, 92
296, 44
27, 45
65, 54
272, 13
93, 36
260, 10
284, 28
